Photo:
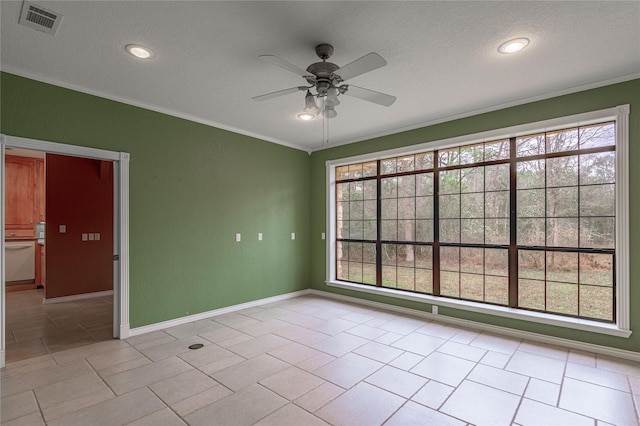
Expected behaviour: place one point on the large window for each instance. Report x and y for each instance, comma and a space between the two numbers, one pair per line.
526, 222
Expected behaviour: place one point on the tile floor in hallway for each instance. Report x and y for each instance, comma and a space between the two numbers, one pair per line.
315, 361
34, 328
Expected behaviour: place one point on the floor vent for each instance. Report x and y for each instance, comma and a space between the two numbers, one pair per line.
39, 18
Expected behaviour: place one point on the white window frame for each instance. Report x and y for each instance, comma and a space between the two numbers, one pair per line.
621, 326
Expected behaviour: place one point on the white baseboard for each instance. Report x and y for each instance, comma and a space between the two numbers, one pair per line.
77, 297
204, 315
505, 331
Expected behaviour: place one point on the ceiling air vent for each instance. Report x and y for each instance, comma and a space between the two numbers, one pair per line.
39, 18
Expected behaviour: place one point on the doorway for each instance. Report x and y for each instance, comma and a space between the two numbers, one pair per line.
118, 302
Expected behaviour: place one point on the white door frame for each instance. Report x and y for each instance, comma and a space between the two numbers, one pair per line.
120, 225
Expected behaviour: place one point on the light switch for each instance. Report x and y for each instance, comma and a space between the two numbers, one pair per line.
92, 236
323, 236
259, 236
63, 229
85, 237
97, 235
238, 237
293, 235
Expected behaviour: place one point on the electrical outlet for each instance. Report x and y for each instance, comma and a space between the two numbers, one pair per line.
97, 236
85, 237
259, 236
323, 236
92, 236
293, 235
63, 229
238, 238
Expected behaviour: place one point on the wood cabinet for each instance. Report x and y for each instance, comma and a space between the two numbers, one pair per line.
24, 196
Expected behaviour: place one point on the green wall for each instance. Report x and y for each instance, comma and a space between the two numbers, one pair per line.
192, 187
600, 98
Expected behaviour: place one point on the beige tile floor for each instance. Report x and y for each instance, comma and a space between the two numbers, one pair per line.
35, 329
315, 361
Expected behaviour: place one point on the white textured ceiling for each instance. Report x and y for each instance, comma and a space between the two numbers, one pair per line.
442, 57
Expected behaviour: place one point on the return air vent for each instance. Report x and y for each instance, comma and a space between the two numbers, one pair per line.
39, 18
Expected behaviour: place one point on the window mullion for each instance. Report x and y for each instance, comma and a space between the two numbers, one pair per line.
436, 225
378, 226
513, 248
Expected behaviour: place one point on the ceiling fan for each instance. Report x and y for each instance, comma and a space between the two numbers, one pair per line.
326, 78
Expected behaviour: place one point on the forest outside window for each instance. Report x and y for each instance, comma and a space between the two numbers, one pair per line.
525, 222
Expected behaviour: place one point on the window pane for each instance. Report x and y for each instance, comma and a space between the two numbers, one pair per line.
598, 168
356, 210
531, 264
389, 254
389, 208
598, 135
562, 202
342, 250
531, 232
368, 273
471, 154
389, 276
389, 187
497, 204
562, 171
370, 230
355, 252
342, 229
562, 232
530, 145
342, 192
356, 229
472, 205
450, 206
406, 255
597, 232
450, 182
449, 157
496, 231
369, 169
530, 202
406, 230
342, 211
424, 281
496, 262
424, 184
406, 186
388, 166
342, 272
406, 208
424, 230
450, 258
450, 284
472, 260
496, 290
531, 174
472, 180
596, 269
498, 150
424, 207
342, 172
370, 189
355, 171
472, 287
405, 163
389, 230
450, 230
563, 140
497, 177
406, 279
424, 161
355, 271
370, 209
596, 302
531, 294
369, 253
424, 257
562, 298
472, 231
598, 200
562, 267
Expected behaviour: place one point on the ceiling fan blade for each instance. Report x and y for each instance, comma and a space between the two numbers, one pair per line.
369, 62
286, 65
279, 93
370, 95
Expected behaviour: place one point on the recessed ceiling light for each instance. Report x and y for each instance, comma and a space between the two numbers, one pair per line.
139, 51
513, 46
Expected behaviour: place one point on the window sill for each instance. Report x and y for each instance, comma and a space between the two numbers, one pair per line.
537, 317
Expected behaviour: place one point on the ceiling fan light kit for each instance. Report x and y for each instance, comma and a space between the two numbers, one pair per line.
325, 79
